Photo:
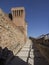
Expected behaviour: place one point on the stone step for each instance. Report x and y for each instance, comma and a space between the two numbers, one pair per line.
23, 54
31, 61
24, 58
31, 56
25, 49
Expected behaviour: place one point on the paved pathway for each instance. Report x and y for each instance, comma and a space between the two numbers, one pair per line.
25, 56
26, 53
29, 55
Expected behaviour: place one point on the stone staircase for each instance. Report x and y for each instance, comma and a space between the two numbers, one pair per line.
25, 54
30, 55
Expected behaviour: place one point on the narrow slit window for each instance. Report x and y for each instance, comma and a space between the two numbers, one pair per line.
15, 12
21, 12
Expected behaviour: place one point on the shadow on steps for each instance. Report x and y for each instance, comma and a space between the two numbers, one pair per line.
7, 58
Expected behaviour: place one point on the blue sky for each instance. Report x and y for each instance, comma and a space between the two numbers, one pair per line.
37, 14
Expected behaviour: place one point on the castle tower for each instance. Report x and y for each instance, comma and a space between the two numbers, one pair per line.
18, 15
18, 18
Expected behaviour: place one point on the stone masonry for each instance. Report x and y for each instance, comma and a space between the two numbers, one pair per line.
13, 29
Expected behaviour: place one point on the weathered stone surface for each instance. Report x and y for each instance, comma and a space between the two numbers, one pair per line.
10, 35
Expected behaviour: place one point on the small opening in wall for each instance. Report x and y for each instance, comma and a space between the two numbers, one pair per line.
15, 12
10, 16
21, 12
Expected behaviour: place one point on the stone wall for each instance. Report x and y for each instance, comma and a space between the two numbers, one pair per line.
10, 35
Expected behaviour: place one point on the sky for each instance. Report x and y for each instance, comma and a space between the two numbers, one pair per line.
37, 14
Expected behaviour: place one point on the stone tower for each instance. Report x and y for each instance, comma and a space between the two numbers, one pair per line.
18, 15
18, 18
